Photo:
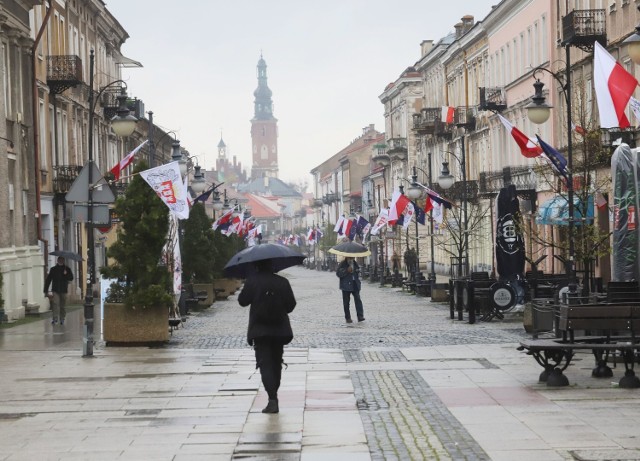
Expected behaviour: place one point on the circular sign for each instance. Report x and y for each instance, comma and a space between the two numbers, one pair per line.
503, 296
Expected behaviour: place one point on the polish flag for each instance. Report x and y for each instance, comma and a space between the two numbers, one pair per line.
527, 146
614, 86
398, 204
125, 162
447, 114
346, 228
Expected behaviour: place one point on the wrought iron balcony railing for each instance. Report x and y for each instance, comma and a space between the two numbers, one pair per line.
582, 28
63, 72
493, 99
63, 177
424, 122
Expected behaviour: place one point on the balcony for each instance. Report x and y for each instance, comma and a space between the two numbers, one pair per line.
424, 122
63, 177
465, 117
397, 148
523, 177
330, 198
443, 130
63, 72
493, 99
582, 28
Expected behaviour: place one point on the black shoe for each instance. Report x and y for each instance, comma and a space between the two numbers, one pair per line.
360, 319
272, 407
349, 321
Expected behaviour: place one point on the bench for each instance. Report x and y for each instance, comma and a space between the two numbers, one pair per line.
609, 328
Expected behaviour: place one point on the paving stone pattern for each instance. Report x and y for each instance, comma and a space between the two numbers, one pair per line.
404, 419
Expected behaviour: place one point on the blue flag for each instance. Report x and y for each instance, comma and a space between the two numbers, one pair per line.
558, 162
420, 214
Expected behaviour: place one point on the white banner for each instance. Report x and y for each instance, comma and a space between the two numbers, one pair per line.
167, 182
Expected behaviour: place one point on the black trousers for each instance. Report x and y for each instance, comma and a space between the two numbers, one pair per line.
269, 361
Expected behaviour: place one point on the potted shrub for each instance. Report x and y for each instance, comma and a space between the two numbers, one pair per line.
137, 307
198, 252
225, 247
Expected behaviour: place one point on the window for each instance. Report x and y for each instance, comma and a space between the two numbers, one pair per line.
43, 135
6, 78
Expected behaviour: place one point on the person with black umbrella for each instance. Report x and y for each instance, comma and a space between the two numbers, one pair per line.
349, 273
59, 277
271, 300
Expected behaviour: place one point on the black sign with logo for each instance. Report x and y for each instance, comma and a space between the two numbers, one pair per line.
510, 255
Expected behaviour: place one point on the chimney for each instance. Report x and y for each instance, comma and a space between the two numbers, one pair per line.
459, 29
425, 47
467, 22
234, 160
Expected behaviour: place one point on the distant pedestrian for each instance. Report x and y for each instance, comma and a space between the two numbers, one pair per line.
349, 274
271, 300
59, 277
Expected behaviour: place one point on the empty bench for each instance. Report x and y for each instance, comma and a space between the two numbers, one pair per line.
607, 328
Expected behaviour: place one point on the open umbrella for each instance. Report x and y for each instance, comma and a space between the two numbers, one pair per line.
350, 250
242, 263
67, 255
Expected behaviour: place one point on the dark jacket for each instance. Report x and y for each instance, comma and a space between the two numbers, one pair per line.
349, 281
58, 280
271, 300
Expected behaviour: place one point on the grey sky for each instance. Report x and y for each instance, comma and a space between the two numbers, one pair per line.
327, 61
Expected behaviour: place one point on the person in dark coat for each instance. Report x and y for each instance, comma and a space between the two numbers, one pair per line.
271, 300
349, 273
59, 277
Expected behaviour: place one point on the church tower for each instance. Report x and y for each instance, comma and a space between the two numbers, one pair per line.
264, 129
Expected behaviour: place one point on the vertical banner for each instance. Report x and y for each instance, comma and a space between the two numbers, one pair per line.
510, 252
624, 246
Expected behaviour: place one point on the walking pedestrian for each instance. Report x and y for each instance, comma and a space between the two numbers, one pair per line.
349, 273
59, 277
271, 300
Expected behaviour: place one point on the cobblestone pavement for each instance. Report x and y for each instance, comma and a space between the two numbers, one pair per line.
393, 319
402, 417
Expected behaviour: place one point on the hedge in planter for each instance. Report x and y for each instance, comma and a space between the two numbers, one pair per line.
136, 255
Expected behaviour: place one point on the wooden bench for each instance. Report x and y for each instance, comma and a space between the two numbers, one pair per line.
608, 328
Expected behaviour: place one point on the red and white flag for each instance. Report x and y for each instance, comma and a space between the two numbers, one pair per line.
381, 221
447, 114
125, 162
167, 182
614, 86
527, 146
398, 204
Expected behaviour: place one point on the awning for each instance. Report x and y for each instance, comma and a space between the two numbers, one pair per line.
122, 60
555, 211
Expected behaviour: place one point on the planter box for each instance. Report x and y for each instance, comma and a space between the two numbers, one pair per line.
228, 287
211, 296
124, 326
440, 292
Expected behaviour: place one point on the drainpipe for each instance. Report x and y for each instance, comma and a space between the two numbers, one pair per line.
36, 141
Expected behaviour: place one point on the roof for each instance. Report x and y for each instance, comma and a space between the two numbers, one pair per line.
271, 186
262, 207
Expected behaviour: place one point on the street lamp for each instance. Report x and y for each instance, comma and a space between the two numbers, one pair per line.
416, 191
538, 111
446, 181
198, 185
123, 124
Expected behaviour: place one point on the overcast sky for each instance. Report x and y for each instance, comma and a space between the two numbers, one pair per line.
328, 62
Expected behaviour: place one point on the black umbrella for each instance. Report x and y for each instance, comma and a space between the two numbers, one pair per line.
350, 249
242, 263
67, 255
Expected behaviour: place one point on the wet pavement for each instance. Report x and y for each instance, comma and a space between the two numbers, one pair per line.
408, 383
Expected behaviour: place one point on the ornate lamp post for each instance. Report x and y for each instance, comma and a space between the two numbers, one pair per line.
123, 124
538, 112
416, 191
446, 181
